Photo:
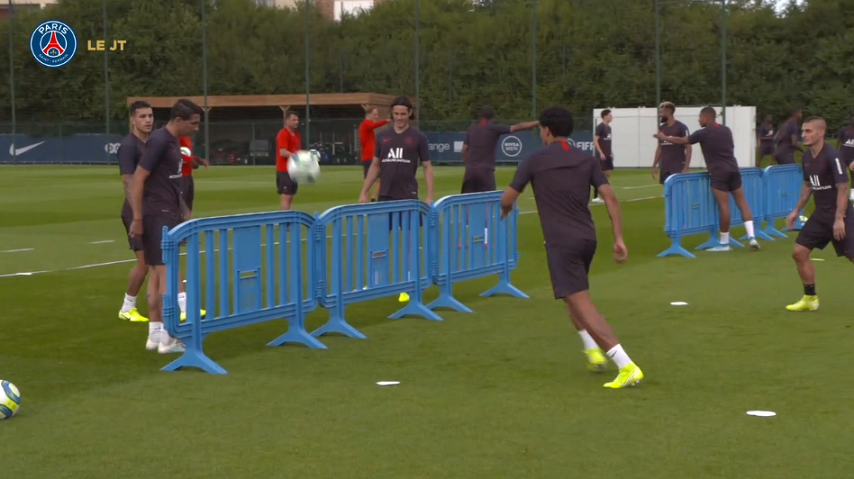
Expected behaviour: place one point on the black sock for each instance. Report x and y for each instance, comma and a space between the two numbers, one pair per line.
595, 193
809, 289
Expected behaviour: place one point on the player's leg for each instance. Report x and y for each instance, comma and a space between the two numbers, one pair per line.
746, 214
152, 234
812, 235
136, 278
366, 166
603, 166
722, 199
287, 189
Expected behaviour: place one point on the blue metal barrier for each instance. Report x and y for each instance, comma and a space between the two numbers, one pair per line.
471, 241
753, 185
783, 185
251, 268
689, 209
377, 250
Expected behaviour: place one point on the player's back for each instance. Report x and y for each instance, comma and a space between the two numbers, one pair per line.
163, 185
482, 138
561, 177
718, 148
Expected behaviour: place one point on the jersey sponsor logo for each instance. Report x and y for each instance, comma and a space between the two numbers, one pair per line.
395, 155
815, 182
511, 146
53, 44
849, 143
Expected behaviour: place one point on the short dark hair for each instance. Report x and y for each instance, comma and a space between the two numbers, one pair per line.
402, 101
184, 109
668, 106
291, 113
816, 118
795, 110
486, 112
558, 120
709, 111
605, 112
138, 105
371, 110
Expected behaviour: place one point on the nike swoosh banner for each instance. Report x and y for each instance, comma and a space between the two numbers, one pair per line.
83, 149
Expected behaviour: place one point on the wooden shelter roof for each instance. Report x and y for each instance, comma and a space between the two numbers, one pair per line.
253, 101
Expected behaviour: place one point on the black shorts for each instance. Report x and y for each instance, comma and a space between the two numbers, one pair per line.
152, 236
285, 185
135, 244
478, 182
784, 157
765, 150
188, 190
729, 182
607, 164
366, 165
569, 265
391, 216
665, 174
817, 232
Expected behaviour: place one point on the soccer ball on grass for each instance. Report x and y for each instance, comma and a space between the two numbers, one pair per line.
304, 166
10, 400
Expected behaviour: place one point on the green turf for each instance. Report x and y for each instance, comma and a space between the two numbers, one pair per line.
501, 393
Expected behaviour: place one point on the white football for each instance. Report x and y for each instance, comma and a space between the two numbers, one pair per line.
304, 166
10, 400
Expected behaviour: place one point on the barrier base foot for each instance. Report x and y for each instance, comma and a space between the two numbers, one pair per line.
676, 249
770, 230
416, 308
338, 326
759, 235
504, 287
735, 243
298, 336
195, 359
447, 301
712, 242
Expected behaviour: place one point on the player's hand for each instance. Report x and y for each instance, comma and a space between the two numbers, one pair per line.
621, 253
839, 229
602, 156
790, 220
203, 162
505, 210
686, 170
655, 172
136, 228
363, 198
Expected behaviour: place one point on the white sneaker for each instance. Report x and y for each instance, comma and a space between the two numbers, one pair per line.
598, 200
169, 345
153, 340
754, 245
718, 249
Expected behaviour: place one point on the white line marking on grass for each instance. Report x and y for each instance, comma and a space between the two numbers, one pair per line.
641, 186
103, 242
642, 199
18, 250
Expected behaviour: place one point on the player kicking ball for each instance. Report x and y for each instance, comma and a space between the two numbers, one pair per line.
826, 179
718, 148
561, 177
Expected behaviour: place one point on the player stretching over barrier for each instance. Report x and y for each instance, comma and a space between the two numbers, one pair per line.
396, 156
717, 145
561, 177
832, 221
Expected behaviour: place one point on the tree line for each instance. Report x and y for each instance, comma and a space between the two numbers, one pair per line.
587, 54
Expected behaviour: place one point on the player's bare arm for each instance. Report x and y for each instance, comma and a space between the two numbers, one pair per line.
656, 161
186, 214
126, 183
613, 206
136, 190
672, 139
507, 200
285, 153
688, 152
795, 144
596, 142
428, 178
527, 125
806, 192
373, 174
841, 208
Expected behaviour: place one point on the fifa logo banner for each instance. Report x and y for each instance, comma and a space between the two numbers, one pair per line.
447, 147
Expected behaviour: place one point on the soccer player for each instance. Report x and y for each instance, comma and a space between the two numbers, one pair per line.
479, 150
602, 143
671, 158
156, 201
396, 156
130, 152
561, 177
367, 137
845, 144
288, 142
832, 220
188, 191
787, 139
765, 139
717, 145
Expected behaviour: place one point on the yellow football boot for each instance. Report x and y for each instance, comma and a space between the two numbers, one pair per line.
133, 316
596, 360
807, 303
629, 375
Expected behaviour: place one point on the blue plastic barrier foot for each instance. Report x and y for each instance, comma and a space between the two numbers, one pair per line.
759, 235
416, 308
676, 248
771, 230
712, 242
504, 287
735, 243
299, 336
446, 300
195, 358
337, 324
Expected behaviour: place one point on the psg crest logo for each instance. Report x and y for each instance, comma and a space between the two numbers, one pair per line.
53, 44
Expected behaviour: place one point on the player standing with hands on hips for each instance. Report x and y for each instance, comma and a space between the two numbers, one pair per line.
561, 177
602, 143
832, 221
718, 149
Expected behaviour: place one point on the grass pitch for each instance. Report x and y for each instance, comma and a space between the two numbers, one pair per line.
501, 393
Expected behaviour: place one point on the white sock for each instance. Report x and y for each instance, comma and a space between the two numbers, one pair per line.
620, 358
724, 238
129, 304
587, 340
182, 302
154, 331
748, 225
